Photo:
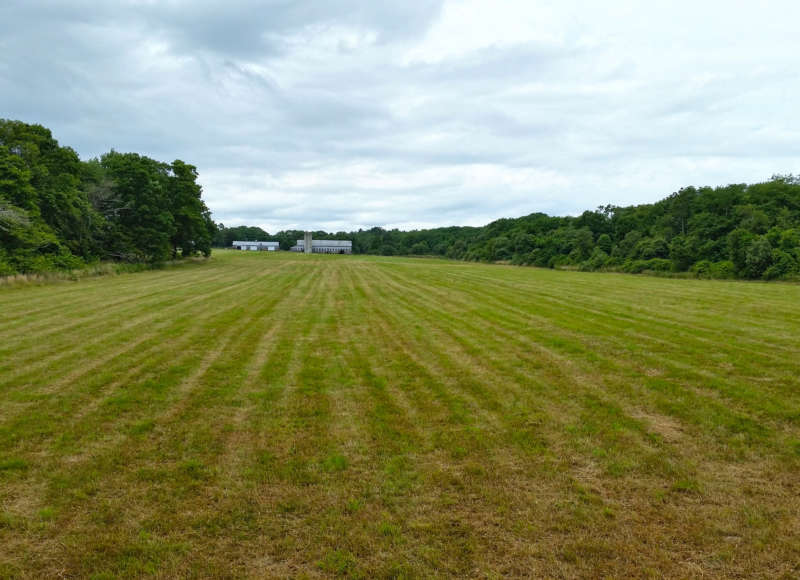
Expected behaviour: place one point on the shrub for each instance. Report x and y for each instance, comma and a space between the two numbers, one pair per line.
702, 269
519, 259
652, 265
723, 270
758, 258
783, 263
6, 269
420, 248
596, 261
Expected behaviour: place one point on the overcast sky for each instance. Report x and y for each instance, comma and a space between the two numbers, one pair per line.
340, 114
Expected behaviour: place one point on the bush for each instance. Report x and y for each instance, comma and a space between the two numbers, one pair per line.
40, 263
702, 269
659, 265
652, 248
539, 257
723, 270
714, 270
633, 266
758, 258
783, 263
596, 261
64, 260
519, 259
6, 269
420, 248
652, 265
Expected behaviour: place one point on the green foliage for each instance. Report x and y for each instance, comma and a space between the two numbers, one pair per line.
224, 237
758, 258
682, 252
782, 265
598, 260
605, 243
420, 248
194, 229
652, 265
57, 212
723, 270
142, 223
736, 231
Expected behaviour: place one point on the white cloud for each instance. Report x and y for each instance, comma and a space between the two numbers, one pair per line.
470, 25
347, 114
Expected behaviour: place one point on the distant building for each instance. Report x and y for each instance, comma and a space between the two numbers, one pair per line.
310, 246
256, 246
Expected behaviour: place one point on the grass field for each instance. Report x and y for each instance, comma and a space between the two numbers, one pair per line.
287, 415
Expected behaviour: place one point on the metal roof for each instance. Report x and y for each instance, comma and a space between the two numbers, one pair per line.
267, 244
328, 243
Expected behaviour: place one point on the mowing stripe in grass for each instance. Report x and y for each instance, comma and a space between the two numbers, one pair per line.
548, 336
160, 310
276, 415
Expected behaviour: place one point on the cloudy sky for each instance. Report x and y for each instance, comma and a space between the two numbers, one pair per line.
340, 114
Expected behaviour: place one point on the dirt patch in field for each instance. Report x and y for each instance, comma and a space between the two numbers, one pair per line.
667, 427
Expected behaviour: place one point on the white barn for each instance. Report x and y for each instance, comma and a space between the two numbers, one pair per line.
325, 247
256, 246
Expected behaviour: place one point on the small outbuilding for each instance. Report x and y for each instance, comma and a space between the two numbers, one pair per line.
256, 246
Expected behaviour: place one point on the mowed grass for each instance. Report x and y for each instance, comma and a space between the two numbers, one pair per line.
284, 415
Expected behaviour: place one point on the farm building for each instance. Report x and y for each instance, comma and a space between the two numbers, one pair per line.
310, 246
256, 246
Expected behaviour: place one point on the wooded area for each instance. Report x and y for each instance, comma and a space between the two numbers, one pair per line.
59, 212
736, 231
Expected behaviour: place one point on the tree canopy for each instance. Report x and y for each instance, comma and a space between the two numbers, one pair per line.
745, 231
57, 211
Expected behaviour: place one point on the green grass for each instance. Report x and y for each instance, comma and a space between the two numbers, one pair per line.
281, 415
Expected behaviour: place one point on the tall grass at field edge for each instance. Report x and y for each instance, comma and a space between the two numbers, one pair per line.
91, 271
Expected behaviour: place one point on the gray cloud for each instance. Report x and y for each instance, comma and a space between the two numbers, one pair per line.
346, 114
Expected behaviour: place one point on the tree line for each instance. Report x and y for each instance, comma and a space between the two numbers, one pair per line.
59, 212
735, 231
